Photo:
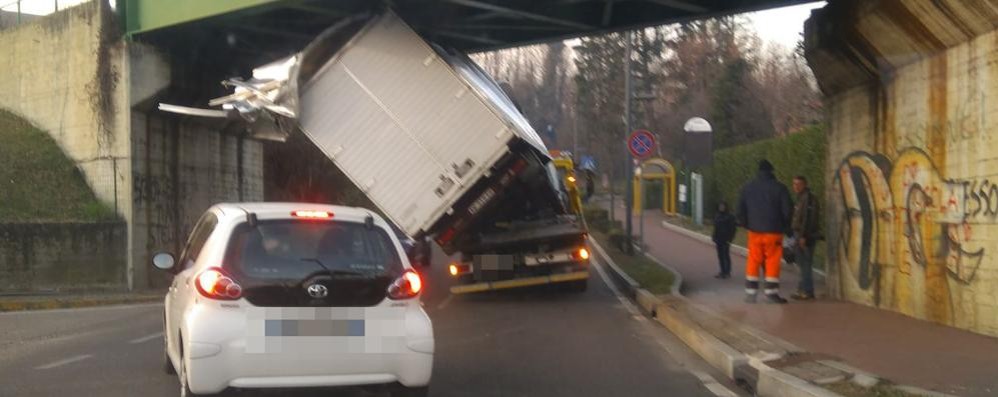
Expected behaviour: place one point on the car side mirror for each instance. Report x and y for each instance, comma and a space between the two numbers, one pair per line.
163, 261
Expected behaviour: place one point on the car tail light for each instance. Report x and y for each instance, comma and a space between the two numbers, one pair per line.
581, 254
312, 214
453, 269
213, 283
406, 286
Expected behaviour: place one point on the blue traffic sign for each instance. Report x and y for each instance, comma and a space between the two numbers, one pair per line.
641, 144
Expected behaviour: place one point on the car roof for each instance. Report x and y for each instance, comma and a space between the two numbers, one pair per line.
278, 210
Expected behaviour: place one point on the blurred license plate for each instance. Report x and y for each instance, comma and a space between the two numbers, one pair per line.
545, 259
314, 328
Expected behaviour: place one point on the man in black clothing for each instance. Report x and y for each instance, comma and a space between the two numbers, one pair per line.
806, 231
724, 232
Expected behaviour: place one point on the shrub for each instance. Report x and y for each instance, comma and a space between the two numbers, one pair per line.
597, 218
801, 153
618, 239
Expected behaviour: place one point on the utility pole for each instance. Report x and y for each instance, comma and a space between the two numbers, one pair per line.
629, 166
575, 134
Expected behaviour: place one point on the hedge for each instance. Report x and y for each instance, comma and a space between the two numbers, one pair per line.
801, 153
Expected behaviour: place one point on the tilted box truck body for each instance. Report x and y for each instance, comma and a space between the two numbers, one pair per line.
431, 140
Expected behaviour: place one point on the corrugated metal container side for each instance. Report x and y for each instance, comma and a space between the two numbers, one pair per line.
401, 123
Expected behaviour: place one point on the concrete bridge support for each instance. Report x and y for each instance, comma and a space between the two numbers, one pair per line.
72, 74
912, 93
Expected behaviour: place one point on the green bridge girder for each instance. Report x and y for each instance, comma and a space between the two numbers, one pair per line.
147, 15
469, 25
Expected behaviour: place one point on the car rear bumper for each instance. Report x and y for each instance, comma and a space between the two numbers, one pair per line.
230, 349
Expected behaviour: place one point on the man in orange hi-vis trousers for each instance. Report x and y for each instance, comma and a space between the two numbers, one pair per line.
764, 208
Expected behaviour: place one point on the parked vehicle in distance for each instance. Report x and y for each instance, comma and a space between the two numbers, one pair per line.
283, 295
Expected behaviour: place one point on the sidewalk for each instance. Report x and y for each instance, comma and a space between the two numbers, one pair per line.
899, 348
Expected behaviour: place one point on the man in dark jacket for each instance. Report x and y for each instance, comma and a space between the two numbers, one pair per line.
764, 209
724, 232
805, 227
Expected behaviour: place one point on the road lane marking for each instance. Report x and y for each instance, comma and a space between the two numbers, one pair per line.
64, 362
635, 313
145, 338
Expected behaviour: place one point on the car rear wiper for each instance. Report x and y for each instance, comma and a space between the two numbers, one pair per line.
335, 272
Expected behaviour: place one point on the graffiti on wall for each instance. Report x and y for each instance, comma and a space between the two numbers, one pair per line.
904, 235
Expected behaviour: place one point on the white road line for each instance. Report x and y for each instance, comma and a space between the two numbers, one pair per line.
64, 362
713, 385
145, 338
708, 381
445, 302
635, 313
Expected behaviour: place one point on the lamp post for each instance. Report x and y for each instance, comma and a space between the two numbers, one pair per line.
629, 167
700, 129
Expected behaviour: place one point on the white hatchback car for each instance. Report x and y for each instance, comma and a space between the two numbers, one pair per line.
281, 295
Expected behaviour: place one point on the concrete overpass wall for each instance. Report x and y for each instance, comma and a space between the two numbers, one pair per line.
63, 73
182, 167
912, 93
73, 75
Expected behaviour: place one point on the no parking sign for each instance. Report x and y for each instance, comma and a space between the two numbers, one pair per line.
641, 144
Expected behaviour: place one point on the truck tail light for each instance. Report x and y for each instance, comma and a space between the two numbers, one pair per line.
406, 286
457, 269
446, 236
581, 254
215, 284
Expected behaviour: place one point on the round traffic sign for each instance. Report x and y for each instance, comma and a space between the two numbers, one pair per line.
641, 144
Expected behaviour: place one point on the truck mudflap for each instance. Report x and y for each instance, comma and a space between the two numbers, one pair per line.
520, 282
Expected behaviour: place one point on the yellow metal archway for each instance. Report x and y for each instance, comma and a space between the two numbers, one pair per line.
654, 171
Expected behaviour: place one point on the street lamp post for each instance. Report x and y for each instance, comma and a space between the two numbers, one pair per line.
695, 127
629, 167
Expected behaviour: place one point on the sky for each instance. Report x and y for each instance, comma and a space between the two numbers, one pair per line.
782, 25
38, 7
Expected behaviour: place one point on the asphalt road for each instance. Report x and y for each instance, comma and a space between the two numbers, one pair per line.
536, 342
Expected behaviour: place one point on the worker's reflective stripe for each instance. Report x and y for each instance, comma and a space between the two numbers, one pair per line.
522, 282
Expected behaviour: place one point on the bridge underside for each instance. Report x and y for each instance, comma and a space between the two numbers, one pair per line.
259, 30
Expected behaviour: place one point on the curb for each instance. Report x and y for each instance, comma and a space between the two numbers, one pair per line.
71, 303
623, 280
737, 366
773, 382
744, 369
718, 354
747, 370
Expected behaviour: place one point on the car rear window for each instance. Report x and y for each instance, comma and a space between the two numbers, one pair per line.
296, 249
